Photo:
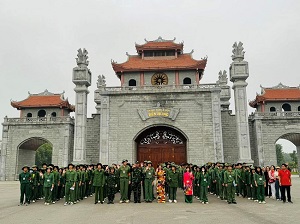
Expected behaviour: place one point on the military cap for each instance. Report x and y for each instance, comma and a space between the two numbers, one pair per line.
34, 166
124, 160
49, 167
25, 166
149, 162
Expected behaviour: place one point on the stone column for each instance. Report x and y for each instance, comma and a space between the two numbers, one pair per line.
238, 75
82, 80
3, 148
298, 155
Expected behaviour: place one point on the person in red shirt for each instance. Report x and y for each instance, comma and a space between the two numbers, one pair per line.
285, 183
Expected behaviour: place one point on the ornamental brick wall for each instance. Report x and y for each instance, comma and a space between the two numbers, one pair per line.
124, 123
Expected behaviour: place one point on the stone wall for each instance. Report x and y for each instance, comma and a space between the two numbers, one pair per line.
15, 132
123, 122
230, 147
93, 139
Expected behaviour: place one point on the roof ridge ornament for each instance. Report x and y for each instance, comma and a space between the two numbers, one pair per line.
82, 57
238, 52
280, 86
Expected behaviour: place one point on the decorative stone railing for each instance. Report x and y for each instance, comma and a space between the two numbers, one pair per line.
275, 115
160, 88
35, 120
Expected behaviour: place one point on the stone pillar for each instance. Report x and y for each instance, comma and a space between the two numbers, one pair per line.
238, 75
3, 148
82, 80
217, 127
298, 155
104, 130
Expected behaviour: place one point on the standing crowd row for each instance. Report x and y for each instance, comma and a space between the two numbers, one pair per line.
226, 181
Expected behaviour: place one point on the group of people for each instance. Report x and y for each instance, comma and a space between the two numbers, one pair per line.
226, 181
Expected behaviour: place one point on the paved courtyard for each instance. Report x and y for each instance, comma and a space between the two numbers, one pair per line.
86, 212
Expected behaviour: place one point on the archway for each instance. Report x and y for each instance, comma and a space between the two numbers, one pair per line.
27, 151
161, 144
288, 150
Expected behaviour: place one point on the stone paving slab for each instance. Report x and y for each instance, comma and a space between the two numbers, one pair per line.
87, 212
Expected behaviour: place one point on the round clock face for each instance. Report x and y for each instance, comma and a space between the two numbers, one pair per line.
159, 79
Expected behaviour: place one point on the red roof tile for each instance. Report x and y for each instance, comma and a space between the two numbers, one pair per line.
159, 44
136, 63
273, 94
36, 101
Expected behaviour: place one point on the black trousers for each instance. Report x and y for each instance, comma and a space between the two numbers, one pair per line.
288, 192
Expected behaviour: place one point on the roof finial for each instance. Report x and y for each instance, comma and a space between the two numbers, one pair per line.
82, 58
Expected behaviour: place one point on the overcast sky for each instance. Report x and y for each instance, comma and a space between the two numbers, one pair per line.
39, 40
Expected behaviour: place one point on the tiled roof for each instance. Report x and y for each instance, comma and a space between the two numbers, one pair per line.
136, 63
159, 44
277, 94
43, 100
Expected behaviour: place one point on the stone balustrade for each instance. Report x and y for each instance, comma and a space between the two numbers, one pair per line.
37, 120
161, 88
274, 115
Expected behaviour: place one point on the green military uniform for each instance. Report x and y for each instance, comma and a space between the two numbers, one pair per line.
253, 186
24, 179
204, 180
220, 181
260, 183
78, 185
98, 183
137, 177
48, 186
125, 177
84, 184
149, 178
62, 182
35, 176
197, 184
230, 180
55, 188
248, 183
111, 181
70, 177
173, 182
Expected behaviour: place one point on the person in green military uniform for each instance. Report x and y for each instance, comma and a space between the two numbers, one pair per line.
253, 186
90, 180
125, 179
98, 183
84, 183
260, 183
220, 181
24, 179
35, 183
197, 183
248, 182
70, 177
230, 180
224, 189
173, 182
149, 174
112, 182
136, 179
48, 185
77, 184
61, 184
204, 180
56, 181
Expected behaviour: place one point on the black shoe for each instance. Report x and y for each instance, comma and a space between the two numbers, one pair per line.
229, 202
101, 202
95, 202
139, 201
135, 201
234, 202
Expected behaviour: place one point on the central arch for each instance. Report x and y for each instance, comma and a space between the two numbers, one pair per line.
161, 144
27, 151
